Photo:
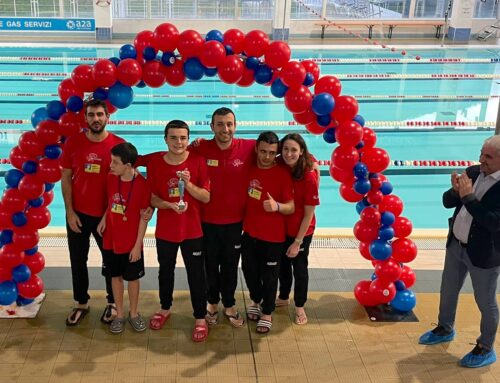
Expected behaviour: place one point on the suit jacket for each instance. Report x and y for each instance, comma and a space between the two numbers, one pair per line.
483, 244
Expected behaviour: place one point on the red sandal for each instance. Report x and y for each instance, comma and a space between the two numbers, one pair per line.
158, 320
200, 333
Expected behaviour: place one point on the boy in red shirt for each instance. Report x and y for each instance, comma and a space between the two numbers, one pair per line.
123, 227
179, 185
269, 199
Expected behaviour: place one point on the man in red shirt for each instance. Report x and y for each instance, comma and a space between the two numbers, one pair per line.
85, 161
269, 200
228, 160
179, 185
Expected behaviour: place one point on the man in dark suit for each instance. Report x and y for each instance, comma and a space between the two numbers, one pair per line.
473, 247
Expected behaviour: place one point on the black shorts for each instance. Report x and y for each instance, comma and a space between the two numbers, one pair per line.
118, 265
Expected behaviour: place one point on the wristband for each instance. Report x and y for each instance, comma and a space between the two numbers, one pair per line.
299, 241
278, 207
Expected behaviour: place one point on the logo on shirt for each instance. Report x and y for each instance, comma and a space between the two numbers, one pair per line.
117, 198
237, 163
172, 182
91, 157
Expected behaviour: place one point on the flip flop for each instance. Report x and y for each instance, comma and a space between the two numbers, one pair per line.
301, 319
158, 320
212, 318
107, 315
200, 333
264, 326
253, 313
74, 319
236, 320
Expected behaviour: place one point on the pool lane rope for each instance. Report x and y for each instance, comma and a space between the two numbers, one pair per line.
315, 102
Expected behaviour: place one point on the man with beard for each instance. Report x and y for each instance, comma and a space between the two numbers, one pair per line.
86, 162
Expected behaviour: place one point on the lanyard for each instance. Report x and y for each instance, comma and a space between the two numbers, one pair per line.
124, 207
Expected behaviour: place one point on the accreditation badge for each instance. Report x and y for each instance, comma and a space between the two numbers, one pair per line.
92, 168
117, 208
173, 192
254, 193
213, 163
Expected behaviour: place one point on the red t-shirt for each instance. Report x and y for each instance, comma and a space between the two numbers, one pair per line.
89, 162
163, 181
258, 223
305, 192
131, 196
228, 171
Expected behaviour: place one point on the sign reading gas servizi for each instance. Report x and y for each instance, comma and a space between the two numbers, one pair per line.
46, 24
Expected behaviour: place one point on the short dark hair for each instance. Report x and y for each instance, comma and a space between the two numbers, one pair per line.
268, 137
94, 102
126, 151
223, 112
176, 124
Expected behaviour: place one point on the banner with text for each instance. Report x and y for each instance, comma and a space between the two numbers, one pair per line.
46, 24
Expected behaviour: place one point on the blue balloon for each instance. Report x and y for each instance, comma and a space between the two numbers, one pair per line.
360, 145
55, 109
373, 276
362, 186
53, 151
323, 103
37, 202
19, 219
309, 80
361, 205
49, 186
141, 84
29, 167
400, 285
74, 104
31, 251
278, 89
386, 188
120, 95
12, 177
324, 120
386, 233
263, 74
229, 50
168, 58
149, 53
380, 249
100, 94
373, 175
210, 72
252, 62
214, 34
39, 115
360, 170
6, 236
387, 218
329, 135
127, 51
22, 301
115, 60
404, 301
193, 69
21, 273
359, 119
8, 293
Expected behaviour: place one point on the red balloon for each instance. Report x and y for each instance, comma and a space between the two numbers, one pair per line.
175, 73
255, 43
349, 133
345, 157
363, 295
35, 262
376, 159
305, 118
369, 139
374, 197
370, 215
231, 69
17, 157
153, 74
48, 197
5, 274
213, 54
375, 183
30, 144
13, 201
382, 291
165, 37
407, 276
190, 44
32, 288
10, 256
83, 78
346, 108
293, 74
5, 218
38, 217
49, 170
328, 84
314, 128
104, 73
348, 193
388, 271
142, 40
311, 67
111, 108
248, 77
298, 100
129, 72
31, 186
364, 250
391, 203
364, 232
404, 250
277, 54
67, 88
70, 123
48, 132
235, 39
25, 238
340, 175
402, 227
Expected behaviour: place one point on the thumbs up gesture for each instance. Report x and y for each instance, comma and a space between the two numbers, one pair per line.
270, 205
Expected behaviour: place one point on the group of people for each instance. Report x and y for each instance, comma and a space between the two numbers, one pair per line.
216, 199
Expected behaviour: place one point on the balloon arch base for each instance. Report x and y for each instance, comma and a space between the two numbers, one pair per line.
26, 311
386, 313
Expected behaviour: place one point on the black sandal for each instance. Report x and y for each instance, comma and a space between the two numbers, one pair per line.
107, 315
76, 316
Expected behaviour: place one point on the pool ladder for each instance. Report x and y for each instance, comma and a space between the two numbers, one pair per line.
489, 31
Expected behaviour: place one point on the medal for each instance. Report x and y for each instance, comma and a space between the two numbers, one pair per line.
124, 207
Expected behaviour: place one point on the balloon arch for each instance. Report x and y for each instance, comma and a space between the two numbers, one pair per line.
166, 55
